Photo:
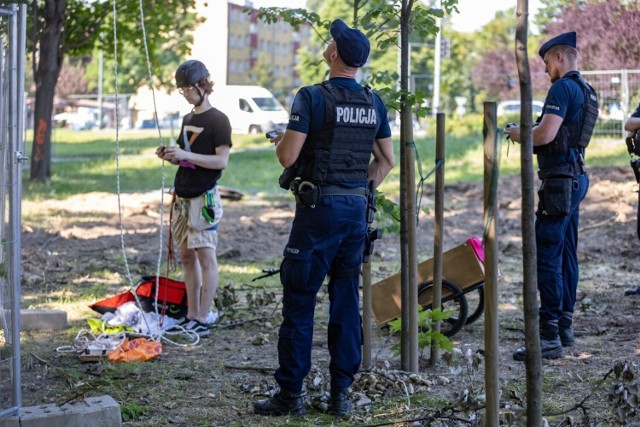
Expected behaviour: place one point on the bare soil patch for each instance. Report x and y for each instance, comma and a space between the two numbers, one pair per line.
77, 248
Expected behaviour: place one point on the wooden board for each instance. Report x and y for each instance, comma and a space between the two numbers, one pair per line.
459, 265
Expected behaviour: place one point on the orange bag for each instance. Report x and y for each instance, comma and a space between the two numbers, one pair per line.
136, 350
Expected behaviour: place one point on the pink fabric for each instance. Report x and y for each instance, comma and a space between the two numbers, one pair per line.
476, 244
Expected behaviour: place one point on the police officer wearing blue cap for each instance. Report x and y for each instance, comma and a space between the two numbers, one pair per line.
334, 128
560, 137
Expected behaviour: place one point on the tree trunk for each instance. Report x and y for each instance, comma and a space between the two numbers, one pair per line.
409, 351
529, 252
46, 76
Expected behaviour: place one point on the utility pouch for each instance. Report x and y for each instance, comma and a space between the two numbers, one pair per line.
554, 196
306, 193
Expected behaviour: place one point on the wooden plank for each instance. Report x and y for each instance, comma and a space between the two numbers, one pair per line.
460, 265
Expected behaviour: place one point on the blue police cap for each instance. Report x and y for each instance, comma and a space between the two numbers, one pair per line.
566, 39
353, 45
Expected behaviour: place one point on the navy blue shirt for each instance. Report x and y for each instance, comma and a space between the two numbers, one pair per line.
308, 109
565, 99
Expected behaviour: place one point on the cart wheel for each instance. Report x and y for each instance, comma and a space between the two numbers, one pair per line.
475, 298
453, 301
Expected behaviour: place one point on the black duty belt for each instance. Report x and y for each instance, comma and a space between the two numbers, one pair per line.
336, 190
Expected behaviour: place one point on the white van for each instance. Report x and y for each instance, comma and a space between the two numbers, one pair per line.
251, 109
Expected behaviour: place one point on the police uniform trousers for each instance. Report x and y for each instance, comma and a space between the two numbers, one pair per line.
326, 239
558, 274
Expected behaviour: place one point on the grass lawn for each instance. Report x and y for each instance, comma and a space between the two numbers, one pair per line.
85, 161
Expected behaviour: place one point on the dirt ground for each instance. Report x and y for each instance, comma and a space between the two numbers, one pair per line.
77, 249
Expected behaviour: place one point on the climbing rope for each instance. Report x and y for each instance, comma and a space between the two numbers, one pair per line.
160, 336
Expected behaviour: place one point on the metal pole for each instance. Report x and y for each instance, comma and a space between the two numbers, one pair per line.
16, 90
491, 159
438, 230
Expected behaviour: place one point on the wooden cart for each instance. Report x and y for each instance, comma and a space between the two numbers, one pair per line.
463, 273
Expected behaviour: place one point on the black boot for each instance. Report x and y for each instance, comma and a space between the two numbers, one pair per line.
282, 403
550, 345
340, 403
565, 331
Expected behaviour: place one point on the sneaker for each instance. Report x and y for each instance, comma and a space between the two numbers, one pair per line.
199, 328
182, 323
213, 317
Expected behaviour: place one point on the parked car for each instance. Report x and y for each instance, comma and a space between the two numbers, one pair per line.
513, 107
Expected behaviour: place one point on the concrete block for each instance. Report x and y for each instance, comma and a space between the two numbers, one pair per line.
41, 319
100, 411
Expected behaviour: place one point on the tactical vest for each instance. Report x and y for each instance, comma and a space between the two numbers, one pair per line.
584, 130
340, 152
575, 134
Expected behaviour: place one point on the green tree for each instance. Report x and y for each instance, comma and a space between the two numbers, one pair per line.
68, 28
601, 47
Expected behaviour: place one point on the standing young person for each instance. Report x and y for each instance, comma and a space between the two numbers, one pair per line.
202, 152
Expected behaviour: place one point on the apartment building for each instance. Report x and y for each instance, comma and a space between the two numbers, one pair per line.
240, 49
237, 48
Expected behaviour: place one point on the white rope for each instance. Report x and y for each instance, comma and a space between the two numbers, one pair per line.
115, 72
155, 114
85, 338
118, 187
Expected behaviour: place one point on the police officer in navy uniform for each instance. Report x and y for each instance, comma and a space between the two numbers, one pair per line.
632, 126
559, 140
333, 130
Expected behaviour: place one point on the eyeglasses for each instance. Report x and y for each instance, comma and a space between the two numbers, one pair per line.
182, 90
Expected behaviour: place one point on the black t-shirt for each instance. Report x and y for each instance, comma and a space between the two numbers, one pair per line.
203, 132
